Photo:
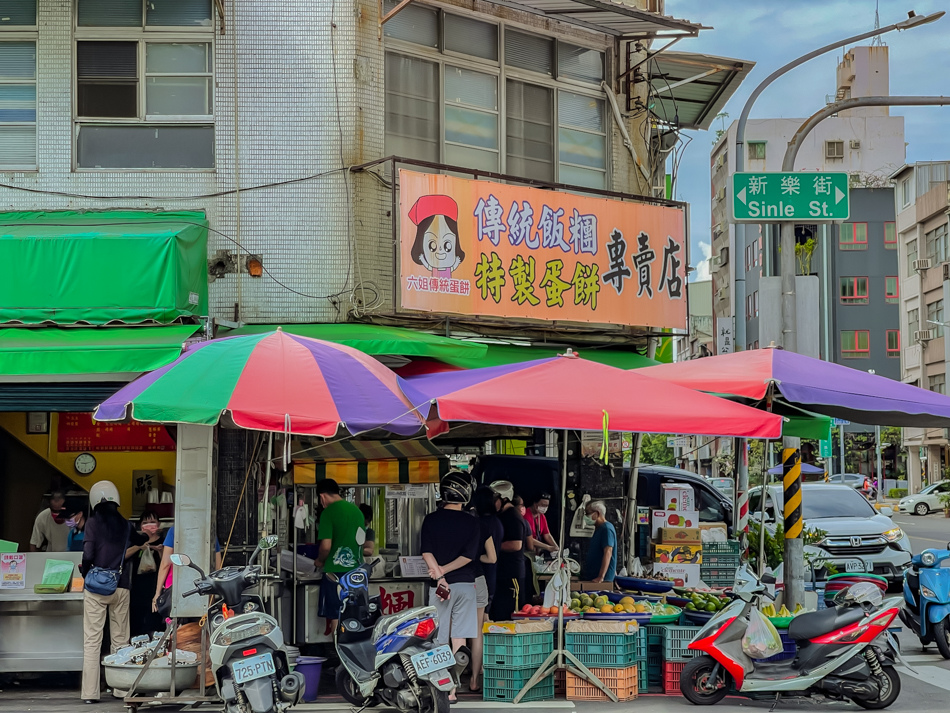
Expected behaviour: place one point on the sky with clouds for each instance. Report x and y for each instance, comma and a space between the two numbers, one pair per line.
774, 32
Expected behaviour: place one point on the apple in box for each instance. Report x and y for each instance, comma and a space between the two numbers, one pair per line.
667, 518
678, 497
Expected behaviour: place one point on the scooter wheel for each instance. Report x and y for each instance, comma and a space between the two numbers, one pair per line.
697, 684
346, 687
890, 690
941, 634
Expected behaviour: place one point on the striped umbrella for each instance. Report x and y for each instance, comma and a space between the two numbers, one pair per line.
269, 382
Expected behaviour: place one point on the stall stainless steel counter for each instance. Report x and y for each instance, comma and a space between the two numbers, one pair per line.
41, 632
395, 595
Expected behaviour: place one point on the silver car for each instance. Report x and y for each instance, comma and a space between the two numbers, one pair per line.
926, 501
859, 538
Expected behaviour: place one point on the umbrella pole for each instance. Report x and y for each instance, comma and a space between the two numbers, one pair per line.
265, 561
766, 489
560, 658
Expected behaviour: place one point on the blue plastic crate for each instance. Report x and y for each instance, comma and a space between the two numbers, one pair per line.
790, 650
517, 650
655, 669
503, 684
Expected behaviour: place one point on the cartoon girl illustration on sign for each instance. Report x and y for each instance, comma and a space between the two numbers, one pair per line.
436, 246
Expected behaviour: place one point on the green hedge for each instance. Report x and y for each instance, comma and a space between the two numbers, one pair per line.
897, 493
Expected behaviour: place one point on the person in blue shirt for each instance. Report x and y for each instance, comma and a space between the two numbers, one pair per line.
601, 565
165, 568
76, 522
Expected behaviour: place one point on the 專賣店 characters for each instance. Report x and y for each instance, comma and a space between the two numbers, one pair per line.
436, 246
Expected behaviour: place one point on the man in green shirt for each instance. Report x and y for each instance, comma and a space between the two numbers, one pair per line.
339, 550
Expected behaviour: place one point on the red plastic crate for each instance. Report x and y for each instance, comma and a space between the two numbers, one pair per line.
622, 681
671, 677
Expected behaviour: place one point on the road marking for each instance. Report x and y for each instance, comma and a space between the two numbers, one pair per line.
934, 675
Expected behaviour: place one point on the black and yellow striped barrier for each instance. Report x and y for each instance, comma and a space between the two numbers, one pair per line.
792, 483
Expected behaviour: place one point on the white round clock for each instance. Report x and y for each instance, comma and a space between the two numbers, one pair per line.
85, 463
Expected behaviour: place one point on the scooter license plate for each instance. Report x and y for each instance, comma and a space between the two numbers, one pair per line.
255, 667
433, 660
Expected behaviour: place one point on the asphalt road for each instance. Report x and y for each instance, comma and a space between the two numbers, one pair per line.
925, 531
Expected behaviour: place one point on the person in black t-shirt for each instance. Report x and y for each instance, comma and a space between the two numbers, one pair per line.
510, 587
450, 546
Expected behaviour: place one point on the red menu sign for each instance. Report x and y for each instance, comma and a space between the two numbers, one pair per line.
79, 432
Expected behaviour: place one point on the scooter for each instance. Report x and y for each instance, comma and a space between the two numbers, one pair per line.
926, 609
393, 659
247, 656
844, 653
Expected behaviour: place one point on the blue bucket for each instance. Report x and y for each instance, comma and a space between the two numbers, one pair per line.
311, 667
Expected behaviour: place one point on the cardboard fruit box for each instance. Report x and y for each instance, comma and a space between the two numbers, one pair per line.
666, 518
682, 554
681, 535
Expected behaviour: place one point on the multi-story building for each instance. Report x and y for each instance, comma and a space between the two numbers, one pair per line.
699, 340
866, 143
922, 208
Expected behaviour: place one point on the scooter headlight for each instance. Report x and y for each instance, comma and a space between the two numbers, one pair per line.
927, 593
928, 559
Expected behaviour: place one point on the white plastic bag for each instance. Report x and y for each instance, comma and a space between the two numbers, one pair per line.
557, 592
761, 639
147, 561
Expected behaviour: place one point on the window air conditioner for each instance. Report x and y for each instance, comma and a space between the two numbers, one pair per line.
721, 194
855, 143
923, 335
922, 264
717, 228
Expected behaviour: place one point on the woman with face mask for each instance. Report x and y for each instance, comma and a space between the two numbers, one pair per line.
146, 560
76, 522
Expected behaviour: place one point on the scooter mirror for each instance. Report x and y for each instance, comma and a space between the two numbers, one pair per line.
181, 560
268, 542
361, 537
768, 579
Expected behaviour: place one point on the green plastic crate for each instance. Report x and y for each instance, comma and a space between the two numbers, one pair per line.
676, 641
655, 669
721, 548
503, 684
607, 650
517, 650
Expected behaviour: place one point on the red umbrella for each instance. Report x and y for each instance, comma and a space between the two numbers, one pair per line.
569, 392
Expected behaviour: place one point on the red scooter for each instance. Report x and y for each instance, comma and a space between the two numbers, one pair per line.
844, 652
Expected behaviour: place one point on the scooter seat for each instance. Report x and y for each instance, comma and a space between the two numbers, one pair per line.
812, 624
380, 629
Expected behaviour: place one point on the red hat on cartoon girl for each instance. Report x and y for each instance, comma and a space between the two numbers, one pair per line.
428, 206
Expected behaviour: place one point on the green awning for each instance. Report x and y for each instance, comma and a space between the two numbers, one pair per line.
378, 340
803, 424
68, 267
88, 353
498, 354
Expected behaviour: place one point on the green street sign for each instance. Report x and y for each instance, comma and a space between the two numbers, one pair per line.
824, 448
773, 196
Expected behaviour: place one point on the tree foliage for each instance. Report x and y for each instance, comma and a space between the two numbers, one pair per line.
654, 450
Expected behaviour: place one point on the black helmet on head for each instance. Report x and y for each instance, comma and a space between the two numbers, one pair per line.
456, 487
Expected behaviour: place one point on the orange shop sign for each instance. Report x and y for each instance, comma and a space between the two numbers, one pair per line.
490, 249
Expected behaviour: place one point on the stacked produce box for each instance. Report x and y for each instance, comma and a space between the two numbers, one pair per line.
513, 652
614, 652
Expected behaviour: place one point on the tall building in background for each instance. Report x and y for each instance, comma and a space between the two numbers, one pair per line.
924, 255
699, 341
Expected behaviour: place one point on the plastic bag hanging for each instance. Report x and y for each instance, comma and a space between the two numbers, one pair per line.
761, 638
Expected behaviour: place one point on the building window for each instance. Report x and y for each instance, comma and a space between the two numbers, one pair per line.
937, 383
935, 317
752, 305
748, 258
853, 236
144, 96
756, 150
906, 192
890, 235
854, 290
894, 343
17, 105
913, 324
554, 123
937, 246
856, 344
891, 290
18, 14
834, 149
911, 257
756, 255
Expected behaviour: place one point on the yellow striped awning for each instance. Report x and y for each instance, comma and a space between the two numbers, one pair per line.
353, 462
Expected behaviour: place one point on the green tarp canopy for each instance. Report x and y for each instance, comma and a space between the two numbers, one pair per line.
67, 267
499, 354
377, 340
803, 424
52, 353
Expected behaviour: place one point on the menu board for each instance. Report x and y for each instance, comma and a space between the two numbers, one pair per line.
78, 432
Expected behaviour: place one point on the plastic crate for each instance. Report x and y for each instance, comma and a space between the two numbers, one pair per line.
517, 650
607, 650
503, 684
721, 548
655, 669
790, 649
671, 677
676, 641
622, 681
560, 684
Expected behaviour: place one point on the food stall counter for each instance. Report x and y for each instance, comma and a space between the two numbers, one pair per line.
41, 632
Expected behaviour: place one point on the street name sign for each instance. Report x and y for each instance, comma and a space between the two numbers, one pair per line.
798, 196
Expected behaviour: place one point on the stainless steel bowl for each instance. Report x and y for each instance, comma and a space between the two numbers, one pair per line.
157, 678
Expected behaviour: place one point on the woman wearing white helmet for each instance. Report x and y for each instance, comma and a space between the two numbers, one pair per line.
106, 545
